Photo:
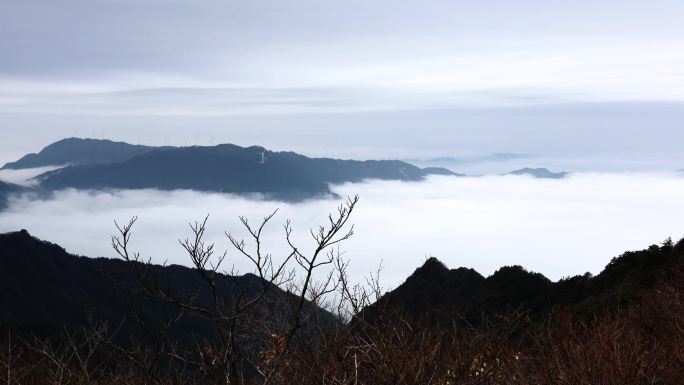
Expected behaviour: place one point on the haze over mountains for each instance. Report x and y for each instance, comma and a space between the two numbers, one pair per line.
7, 189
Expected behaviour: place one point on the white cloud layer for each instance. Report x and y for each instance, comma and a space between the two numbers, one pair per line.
556, 227
24, 177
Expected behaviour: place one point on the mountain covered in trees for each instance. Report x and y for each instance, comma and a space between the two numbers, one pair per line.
623, 326
43, 288
77, 151
226, 168
103, 164
447, 294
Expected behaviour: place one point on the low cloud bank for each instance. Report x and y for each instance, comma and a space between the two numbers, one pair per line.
556, 227
24, 177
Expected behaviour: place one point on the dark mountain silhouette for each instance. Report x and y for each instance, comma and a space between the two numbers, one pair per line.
462, 293
42, 288
230, 169
542, 173
7, 189
76, 151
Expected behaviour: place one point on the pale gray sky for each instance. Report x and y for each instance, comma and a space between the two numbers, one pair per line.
600, 80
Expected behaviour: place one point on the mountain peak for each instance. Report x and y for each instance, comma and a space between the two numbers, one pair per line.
432, 267
77, 151
22, 234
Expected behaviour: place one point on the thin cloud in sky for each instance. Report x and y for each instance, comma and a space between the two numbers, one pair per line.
24, 177
491, 79
175, 57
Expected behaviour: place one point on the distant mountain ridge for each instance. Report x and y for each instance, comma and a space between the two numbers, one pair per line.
94, 164
542, 173
223, 168
77, 151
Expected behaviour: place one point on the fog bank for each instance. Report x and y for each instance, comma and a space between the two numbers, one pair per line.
556, 227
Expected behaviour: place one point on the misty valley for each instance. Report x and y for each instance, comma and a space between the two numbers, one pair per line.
138, 288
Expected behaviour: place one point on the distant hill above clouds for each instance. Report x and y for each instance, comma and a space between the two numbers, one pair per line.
542, 173
77, 151
224, 168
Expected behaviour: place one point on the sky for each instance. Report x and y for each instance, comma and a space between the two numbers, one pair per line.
585, 85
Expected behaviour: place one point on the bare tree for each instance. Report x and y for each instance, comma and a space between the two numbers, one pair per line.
13, 364
237, 312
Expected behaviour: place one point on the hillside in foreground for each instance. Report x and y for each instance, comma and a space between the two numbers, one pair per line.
448, 294
43, 285
43, 288
441, 326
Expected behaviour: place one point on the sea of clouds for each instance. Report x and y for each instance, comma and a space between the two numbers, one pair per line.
556, 227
